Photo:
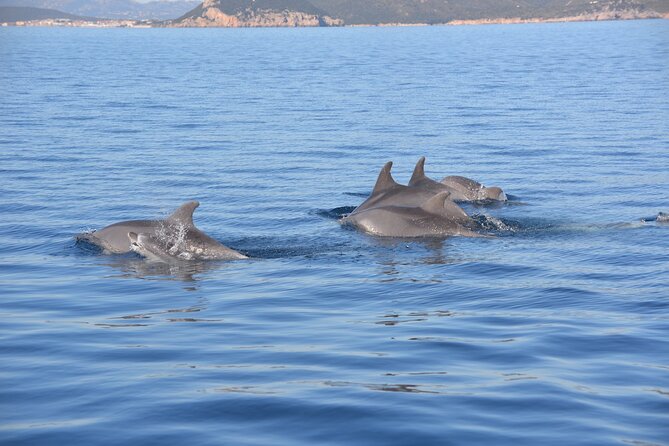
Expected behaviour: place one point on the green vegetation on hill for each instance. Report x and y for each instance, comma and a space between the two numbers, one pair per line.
354, 12
236, 7
441, 11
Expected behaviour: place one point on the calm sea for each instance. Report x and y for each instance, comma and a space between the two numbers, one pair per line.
553, 332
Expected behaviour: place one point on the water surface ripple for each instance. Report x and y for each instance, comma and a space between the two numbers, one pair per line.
553, 332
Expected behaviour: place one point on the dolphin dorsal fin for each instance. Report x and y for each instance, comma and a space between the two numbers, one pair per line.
441, 204
385, 180
436, 204
184, 215
418, 172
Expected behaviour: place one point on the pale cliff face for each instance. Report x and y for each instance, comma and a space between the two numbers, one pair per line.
213, 16
219, 18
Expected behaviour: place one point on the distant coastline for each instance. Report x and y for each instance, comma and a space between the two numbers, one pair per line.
319, 13
125, 23
65, 23
594, 17
81, 22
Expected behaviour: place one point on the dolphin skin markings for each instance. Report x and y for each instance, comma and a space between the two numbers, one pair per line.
388, 192
176, 236
437, 217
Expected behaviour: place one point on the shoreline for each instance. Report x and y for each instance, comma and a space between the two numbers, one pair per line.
144, 24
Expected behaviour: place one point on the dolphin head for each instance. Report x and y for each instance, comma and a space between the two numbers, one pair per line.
147, 246
492, 193
136, 244
134, 241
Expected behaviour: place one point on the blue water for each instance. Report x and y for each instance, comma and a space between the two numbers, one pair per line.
553, 332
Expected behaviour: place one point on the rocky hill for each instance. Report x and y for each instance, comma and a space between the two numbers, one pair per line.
112, 9
26, 13
374, 12
256, 13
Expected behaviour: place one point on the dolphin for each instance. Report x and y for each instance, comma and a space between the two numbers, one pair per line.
177, 233
473, 190
195, 245
149, 247
437, 217
461, 188
388, 192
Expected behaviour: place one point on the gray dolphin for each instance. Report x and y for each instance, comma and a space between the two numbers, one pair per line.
437, 217
473, 190
388, 192
461, 188
192, 245
150, 247
177, 233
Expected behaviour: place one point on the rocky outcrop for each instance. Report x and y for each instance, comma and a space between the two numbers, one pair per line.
619, 14
212, 13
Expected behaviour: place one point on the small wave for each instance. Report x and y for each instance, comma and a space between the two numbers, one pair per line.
172, 238
490, 223
336, 213
82, 242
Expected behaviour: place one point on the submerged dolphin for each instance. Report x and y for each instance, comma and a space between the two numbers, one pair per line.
473, 190
149, 246
387, 192
176, 234
437, 217
461, 188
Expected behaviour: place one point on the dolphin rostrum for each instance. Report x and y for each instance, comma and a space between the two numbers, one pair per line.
176, 235
387, 192
437, 217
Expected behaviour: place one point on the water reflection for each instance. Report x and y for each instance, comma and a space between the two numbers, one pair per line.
139, 268
396, 318
134, 266
404, 388
399, 256
145, 319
